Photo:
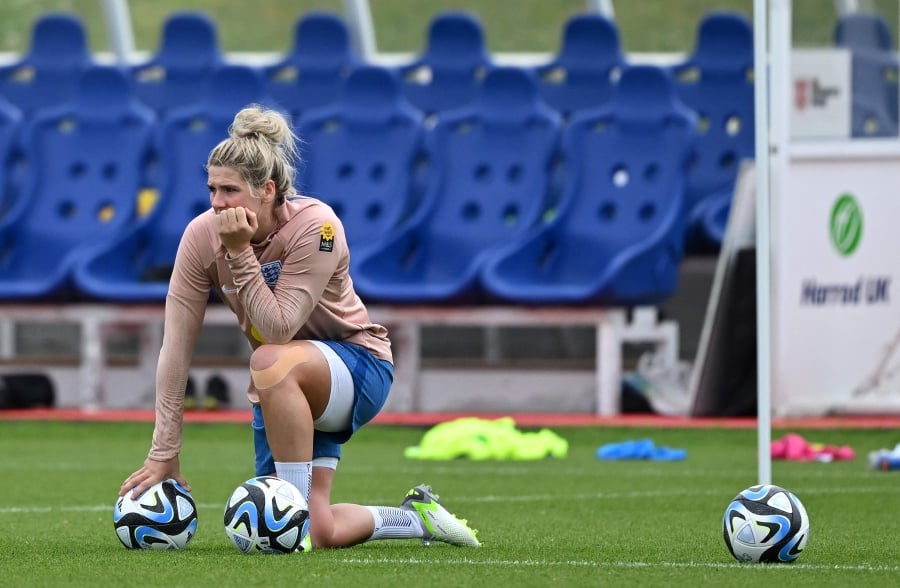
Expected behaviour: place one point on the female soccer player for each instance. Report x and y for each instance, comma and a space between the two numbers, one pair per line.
320, 369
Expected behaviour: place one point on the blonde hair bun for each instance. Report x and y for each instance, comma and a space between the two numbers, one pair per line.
255, 121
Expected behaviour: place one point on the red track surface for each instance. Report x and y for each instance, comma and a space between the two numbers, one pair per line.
521, 419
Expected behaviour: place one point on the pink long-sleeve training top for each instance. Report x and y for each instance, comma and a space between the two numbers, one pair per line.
295, 284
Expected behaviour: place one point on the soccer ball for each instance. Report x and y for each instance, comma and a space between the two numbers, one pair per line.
766, 524
163, 517
268, 515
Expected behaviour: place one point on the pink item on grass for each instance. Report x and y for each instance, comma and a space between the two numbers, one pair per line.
777, 447
844, 452
796, 448
793, 447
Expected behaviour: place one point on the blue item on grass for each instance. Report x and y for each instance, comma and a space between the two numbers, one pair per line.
639, 449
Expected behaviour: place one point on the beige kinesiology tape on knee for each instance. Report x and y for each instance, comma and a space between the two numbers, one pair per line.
278, 371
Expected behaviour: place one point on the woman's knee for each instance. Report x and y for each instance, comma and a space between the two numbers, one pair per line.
264, 356
270, 364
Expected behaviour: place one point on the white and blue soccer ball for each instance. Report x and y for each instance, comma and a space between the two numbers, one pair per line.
267, 515
766, 524
163, 517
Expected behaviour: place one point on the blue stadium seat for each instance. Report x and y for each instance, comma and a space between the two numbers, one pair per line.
179, 72
135, 266
876, 72
359, 155
586, 67
870, 116
312, 72
618, 236
489, 176
47, 75
716, 81
12, 160
87, 159
875, 93
449, 71
863, 30
710, 217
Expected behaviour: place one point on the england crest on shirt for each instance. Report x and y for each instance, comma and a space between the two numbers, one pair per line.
271, 271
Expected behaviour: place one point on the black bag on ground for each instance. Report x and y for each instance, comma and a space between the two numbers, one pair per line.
26, 391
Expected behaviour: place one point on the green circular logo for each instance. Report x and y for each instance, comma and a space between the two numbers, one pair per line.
846, 224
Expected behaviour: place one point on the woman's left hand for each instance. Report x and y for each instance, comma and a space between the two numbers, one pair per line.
236, 228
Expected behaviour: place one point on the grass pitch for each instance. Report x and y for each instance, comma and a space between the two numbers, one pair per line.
576, 521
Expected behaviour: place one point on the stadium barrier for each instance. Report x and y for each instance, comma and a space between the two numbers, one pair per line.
91, 383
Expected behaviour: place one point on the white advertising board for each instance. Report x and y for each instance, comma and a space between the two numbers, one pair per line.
836, 266
821, 92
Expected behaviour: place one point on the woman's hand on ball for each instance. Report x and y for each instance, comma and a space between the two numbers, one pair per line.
151, 473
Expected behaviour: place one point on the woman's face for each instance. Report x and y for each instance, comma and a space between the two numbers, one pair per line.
227, 189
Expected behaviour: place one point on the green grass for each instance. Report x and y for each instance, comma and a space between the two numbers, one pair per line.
570, 522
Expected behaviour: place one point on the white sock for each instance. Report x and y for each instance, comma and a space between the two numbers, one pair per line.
298, 473
395, 523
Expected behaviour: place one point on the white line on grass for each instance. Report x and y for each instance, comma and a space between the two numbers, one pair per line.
481, 499
684, 469
620, 564
657, 494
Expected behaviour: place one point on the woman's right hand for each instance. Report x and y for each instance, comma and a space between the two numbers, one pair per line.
151, 473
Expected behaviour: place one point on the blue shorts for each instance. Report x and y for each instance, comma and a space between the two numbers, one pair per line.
372, 379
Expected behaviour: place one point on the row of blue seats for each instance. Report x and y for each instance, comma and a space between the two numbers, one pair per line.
442, 76
715, 81
614, 237
445, 74
488, 222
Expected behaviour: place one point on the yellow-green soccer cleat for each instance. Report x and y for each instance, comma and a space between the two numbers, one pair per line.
305, 545
439, 524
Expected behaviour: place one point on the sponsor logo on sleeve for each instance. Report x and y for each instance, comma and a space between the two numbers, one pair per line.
326, 237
